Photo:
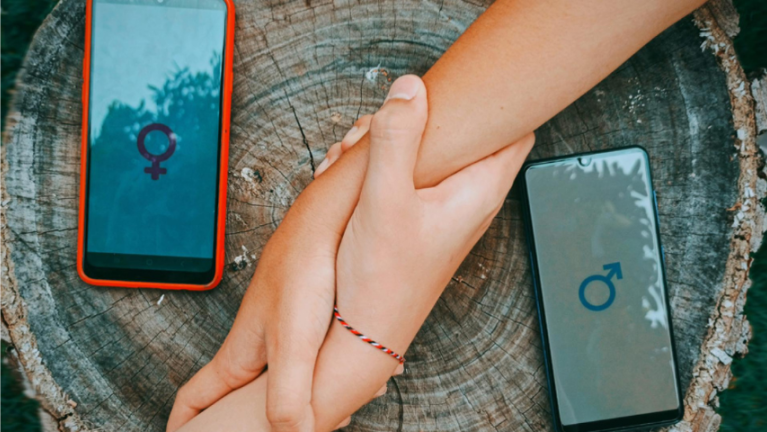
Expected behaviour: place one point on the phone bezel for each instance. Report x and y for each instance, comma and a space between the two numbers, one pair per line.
164, 279
661, 418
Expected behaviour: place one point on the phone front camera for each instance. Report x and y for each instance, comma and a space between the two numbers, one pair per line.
584, 161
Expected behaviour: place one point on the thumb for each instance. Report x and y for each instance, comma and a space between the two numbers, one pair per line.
395, 136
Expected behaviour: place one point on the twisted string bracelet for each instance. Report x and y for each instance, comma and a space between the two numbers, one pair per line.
364, 338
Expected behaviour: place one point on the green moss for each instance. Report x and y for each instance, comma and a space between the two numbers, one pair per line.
751, 42
21, 18
19, 413
744, 405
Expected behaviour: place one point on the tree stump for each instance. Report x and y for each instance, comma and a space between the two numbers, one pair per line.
112, 359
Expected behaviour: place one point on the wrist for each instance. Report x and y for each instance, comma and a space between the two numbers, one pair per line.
386, 317
367, 339
321, 212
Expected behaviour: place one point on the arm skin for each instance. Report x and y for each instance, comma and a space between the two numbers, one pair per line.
516, 67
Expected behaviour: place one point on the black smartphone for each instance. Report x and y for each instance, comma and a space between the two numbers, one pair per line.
156, 111
593, 233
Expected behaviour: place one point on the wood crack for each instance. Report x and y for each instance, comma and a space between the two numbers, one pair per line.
303, 137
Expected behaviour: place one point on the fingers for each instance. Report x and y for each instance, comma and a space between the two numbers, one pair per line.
289, 388
360, 128
334, 152
395, 136
480, 189
344, 423
381, 391
400, 369
215, 380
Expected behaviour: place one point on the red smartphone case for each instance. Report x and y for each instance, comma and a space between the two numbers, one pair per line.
223, 169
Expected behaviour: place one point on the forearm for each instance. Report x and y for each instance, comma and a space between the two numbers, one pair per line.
522, 62
484, 93
517, 66
347, 375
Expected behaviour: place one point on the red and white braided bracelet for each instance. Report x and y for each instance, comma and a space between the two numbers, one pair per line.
365, 338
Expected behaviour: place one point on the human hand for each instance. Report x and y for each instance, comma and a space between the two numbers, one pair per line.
282, 322
347, 372
402, 245
358, 130
283, 318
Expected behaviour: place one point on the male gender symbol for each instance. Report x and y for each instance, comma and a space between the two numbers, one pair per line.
155, 169
614, 269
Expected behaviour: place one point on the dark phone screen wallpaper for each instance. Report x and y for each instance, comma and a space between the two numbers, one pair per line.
602, 286
154, 126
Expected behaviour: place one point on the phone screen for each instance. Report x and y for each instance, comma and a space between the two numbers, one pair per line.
154, 133
601, 282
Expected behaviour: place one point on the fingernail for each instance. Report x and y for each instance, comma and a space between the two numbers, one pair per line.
382, 391
404, 88
400, 369
323, 166
351, 133
344, 423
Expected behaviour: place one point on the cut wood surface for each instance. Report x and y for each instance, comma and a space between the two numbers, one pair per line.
112, 359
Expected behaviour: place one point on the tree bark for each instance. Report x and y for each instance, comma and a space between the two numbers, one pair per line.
112, 359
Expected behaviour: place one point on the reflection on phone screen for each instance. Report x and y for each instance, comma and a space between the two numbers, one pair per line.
154, 132
599, 266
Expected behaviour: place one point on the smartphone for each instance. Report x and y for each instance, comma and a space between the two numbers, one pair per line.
592, 228
155, 142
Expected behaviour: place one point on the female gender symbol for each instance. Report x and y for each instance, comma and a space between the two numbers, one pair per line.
155, 169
